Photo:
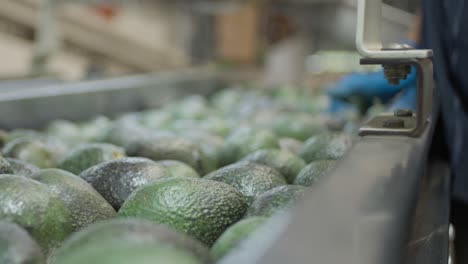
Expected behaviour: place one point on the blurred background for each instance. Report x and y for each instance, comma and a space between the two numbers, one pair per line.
279, 41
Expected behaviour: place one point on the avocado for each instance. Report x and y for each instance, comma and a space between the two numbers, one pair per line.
5, 166
33, 206
288, 164
17, 246
245, 140
115, 180
22, 168
198, 207
313, 172
178, 169
275, 200
3, 137
23, 133
251, 179
170, 148
123, 134
93, 130
325, 146
85, 204
234, 235
65, 130
299, 126
157, 119
130, 241
210, 144
87, 155
191, 107
290, 144
35, 151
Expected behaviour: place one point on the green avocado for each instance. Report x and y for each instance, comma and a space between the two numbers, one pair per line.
210, 144
64, 130
22, 168
198, 207
251, 179
41, 153
34, 207
171, 148
290, 144
245, 140
234, 235
17, 246
115, 180
85, 204
5, 166
297, 126
178, 168
276, 200
85, 156
130, 241
313, 172
288, 164
325, 146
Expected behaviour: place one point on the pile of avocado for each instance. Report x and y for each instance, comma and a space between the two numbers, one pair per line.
185, 183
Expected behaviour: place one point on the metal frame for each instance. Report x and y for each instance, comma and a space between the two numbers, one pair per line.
414, 125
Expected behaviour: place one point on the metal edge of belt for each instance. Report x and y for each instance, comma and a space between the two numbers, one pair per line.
360, 213
34, 107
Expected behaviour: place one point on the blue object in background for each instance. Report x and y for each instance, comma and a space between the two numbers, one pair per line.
369, 86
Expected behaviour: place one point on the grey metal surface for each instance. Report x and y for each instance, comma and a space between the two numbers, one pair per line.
32, 108
361, 213
428, 243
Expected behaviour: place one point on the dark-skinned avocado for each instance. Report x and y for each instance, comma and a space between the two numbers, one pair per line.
198, 207
313, 172
135, 241
170, 148
325, 146
5, 166
178, 168
276, 200
85, 204
37, 209
17, 246
115, 180
23, 168
288, 164
235, 235
245, 140
85, 156
251, 179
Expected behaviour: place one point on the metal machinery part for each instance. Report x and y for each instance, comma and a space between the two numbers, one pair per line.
396, 60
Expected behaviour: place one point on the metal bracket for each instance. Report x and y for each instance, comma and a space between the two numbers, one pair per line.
368, 34
414, 125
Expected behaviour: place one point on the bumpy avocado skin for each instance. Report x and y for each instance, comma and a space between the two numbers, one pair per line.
197, 207
243, 141
171, 148
275, 200
125, 240
17, 246
178, 168
325, 146
5, 166
23, 168
288, 164
251, 179
33, 206
234, 235
115, 180
85, 204
313, 172
87, 155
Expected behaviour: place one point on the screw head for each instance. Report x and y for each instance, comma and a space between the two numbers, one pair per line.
403, 113
394, 123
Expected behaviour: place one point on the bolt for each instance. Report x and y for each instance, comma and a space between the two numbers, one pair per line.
403, 113
394, 123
